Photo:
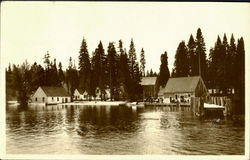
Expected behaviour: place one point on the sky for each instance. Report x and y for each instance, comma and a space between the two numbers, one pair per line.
30, 29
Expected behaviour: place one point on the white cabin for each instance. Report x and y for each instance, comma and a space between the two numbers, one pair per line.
50, 95
80, 94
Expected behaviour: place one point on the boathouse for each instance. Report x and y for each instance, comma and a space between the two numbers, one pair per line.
50, 95
181, 89
148, 86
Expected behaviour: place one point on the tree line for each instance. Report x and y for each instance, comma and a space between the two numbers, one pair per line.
117, 70
120, 71
223, 69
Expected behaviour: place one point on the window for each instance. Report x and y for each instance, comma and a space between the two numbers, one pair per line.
97, 91
57, 98
43, 99
52, 98
36, 99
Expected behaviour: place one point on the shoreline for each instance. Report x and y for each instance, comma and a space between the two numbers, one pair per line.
78, 103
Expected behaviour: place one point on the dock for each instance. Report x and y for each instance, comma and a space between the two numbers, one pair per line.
213, 106
167, 104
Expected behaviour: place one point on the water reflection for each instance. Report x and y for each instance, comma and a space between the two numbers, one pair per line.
118, 130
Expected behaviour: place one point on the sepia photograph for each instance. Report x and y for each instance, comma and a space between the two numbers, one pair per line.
124, 80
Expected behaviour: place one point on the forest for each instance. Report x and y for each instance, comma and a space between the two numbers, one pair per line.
121, 72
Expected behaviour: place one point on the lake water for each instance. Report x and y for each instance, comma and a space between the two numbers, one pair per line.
62, 129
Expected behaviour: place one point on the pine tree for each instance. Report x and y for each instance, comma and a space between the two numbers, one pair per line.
47, 66
200, 52
217, 66
98, 65
124, 78
151, 74
143, 62
55, 78
72, 80
232, 63
211, 69
240, 65
37, 76
181, 65
164, 73
84, 67
112, 69
225, 65
61, 76
132, 59
192, 58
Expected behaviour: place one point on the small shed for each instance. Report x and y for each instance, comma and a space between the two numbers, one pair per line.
148, 85
50, 95
181, 89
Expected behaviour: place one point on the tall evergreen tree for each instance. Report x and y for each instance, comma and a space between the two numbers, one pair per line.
240, 65
112, 69
217, 66
164, 73
143, 63
98, 65
37, 76
225, 65
47, 66
192, 58
200, 51
181, 65
232, 63
132, 59
84, 67
61, 76
124, 78
71, 77
54, 76
151, 74
211, 69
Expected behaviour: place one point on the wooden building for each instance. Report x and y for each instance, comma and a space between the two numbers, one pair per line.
148, 85
80, 94
50, 95
181, 89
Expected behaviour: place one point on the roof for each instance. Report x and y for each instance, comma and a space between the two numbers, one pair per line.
181, 84
55, 91
145, 81
81, 91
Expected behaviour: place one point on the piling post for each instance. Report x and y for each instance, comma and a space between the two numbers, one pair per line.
202, 110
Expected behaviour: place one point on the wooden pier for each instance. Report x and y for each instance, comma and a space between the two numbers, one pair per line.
212, 106
167, 104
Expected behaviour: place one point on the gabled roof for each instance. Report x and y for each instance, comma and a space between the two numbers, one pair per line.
55, 91
81, 91
182, 84
145, 81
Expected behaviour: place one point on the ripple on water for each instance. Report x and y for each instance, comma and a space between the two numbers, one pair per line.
119, 130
